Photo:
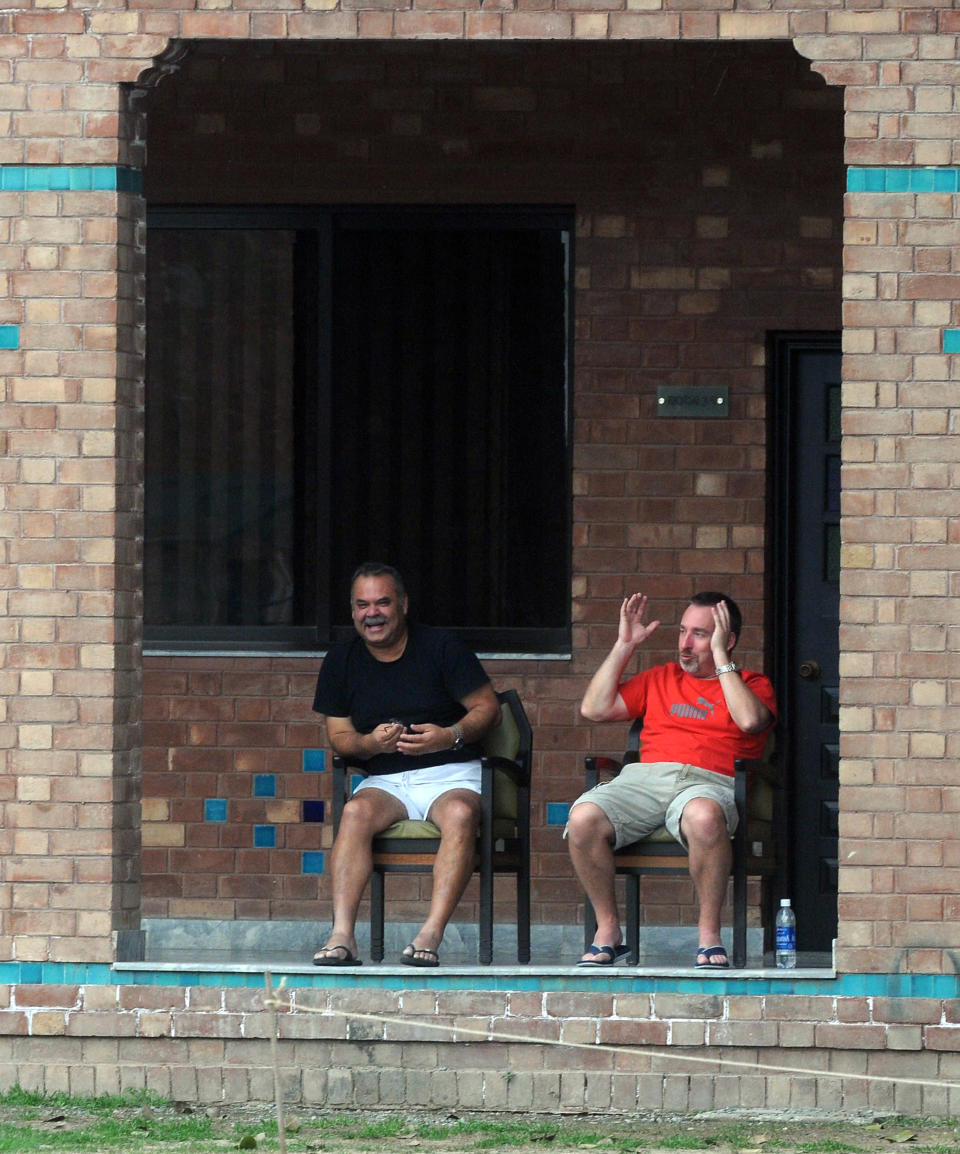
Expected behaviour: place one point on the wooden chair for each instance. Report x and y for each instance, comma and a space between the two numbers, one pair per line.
757, 790
503, 842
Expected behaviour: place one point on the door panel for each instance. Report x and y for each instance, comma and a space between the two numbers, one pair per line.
806, 408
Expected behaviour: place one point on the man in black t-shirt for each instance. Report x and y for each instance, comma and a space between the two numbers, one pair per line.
413, 702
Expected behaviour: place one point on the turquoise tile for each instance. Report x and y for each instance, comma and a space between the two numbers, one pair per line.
314, 760
215, 809
9, 336
951, 340
897, 179
264, 785
945, 180
130, 180
921, 180
557, 812
311, 862
265, 836
76, 178
81, 179
856, 180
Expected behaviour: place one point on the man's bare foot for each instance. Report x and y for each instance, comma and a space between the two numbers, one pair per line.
337, 954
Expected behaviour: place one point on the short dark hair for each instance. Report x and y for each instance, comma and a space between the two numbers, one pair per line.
379, 569
712, 598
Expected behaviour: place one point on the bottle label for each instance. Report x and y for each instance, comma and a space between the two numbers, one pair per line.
786, 938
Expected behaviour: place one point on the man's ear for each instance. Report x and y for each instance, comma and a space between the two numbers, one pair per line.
731, 642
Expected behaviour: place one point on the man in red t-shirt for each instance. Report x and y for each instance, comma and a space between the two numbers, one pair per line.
699, 714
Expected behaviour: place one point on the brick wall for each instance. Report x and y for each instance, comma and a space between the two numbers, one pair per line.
554, 1051
691, 243
70, 419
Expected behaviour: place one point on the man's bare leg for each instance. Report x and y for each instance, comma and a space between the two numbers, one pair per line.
456, 814
590, 839
704, 829
365, 815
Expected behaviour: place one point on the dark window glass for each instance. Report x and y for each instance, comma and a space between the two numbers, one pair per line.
328, 388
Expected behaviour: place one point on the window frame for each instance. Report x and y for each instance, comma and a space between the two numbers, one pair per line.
317, 225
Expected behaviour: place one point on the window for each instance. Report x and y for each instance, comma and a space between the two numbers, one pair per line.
326, 387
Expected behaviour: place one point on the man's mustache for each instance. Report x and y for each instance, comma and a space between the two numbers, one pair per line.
378, 620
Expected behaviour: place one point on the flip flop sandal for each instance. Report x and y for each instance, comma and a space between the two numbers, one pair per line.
334, 959
705, 955
604, 955
429, 963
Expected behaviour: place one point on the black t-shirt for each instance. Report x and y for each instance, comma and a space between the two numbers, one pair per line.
425, 684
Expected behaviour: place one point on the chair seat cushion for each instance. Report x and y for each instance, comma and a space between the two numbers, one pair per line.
410, 830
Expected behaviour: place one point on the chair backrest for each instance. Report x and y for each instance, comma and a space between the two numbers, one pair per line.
632, 752
512, 739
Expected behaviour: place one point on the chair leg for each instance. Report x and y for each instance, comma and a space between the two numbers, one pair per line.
376, 916
589, 924
523, 916
486, 915
632, 895
739, 918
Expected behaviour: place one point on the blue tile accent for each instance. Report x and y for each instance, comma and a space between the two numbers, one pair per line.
314, 760
312, 862
264, 785
557, 812
70, 178
903, 179
215, 809
140, 974
9, 336
355, 779
314, 810
951, 340
265, 836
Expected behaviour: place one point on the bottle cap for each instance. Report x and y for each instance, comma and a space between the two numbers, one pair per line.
784, 902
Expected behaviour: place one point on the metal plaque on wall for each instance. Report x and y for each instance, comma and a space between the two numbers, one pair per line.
692, 401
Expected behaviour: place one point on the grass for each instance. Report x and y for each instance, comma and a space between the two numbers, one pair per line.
109, 1122
143, 1122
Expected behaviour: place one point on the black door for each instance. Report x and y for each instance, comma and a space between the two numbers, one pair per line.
806, 534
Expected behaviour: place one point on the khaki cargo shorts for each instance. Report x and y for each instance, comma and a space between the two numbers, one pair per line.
647, 795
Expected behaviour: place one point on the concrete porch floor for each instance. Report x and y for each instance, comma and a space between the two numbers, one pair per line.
288, 947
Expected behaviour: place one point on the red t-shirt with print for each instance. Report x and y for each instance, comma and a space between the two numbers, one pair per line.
686, 719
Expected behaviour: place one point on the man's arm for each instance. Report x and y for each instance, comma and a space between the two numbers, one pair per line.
602, 700
483, 713
746, 709
349, 743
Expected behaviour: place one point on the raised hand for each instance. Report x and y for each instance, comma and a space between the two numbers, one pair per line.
633, 630
720, 641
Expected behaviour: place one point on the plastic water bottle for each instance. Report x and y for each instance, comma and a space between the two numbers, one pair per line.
786, 936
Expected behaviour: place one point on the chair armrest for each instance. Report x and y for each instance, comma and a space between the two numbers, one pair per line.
518, 773
597, 765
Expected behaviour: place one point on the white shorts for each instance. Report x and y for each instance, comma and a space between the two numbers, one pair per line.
418, 789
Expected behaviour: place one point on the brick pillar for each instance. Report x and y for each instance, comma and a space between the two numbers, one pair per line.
70, 525
898, 861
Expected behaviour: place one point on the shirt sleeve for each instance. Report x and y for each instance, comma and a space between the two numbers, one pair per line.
330, 697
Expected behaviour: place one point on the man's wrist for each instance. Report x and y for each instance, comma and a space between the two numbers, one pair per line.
458, 738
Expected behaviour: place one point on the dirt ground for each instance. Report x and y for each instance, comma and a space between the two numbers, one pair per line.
70, 1131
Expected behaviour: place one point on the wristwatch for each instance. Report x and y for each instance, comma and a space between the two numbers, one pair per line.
731, 667
457, 737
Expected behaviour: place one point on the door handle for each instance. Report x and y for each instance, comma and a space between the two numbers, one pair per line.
809, 670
